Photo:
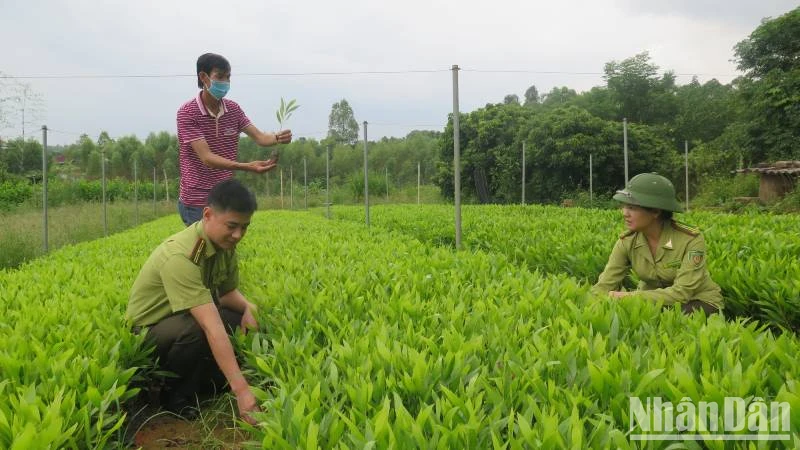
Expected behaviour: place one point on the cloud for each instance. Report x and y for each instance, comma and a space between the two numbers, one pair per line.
573, 38
737, 13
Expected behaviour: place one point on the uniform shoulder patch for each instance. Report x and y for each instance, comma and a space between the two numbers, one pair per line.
625, 234
696, 257
197, 250
684, 228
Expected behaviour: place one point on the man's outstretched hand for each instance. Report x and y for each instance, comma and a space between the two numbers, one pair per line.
262, 166
246, 402
248, 319
283, 137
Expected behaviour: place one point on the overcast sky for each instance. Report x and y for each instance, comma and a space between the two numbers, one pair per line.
149, 37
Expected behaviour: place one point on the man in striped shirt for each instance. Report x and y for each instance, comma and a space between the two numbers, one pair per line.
208, 134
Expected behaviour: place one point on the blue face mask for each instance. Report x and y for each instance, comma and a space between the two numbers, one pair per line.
218, 89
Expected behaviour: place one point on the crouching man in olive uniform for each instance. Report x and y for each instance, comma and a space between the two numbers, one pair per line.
186, 299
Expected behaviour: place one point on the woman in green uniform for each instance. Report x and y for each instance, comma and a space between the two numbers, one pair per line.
668, 257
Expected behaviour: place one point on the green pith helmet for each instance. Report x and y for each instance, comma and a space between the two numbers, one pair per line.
650, 190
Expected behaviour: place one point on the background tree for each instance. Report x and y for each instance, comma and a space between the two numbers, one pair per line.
22, 157
703, 110
4, 174
716, 158
80, 151
561, 140
399, 155
120, 153
559, 96
488, 149
600, 102
93, 168
641, 95
104, 139
511, 98
342, 125
531, 96
770, 89
753, 119
30, 108
21, 107
5, 101
165, 151
771, 46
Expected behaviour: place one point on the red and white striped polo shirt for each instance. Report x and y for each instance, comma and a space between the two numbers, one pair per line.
222, 135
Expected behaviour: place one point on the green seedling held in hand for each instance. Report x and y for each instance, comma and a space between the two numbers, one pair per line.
285, 111
283, 114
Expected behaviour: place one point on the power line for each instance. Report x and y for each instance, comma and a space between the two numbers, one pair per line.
66, 132
364, 72
332, 73
559, 72
31, 136
258, 74
307, 134
68, 77
406, 124
73, 133
538, 72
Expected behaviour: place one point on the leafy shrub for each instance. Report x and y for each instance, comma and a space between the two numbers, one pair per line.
13, 193
720, 191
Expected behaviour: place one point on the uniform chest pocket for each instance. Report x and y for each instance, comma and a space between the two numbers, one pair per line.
213, 278
217, 279
667, 270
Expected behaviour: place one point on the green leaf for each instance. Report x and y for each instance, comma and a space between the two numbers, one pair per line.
26, 439
646, 380
311, 437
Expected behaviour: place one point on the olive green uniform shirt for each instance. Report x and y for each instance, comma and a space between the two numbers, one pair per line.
184, 271
677, 273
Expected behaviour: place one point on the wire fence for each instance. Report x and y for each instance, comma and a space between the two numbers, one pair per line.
280, 187
74, 210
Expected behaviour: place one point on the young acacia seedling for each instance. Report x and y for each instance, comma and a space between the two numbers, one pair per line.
282, 114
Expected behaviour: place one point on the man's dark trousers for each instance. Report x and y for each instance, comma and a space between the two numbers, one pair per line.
182, 348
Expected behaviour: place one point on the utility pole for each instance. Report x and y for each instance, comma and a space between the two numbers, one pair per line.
366, 176
419, 181
523, 172
44, 187
456, 158
166, 183
103, 171
136, 192
305, 184
24, 94
590, 180
328, 182
686, 170
625, 147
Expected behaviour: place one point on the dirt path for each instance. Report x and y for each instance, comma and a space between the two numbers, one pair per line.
148, 427
168, 431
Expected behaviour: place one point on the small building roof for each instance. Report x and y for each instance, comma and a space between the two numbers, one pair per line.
778, 168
